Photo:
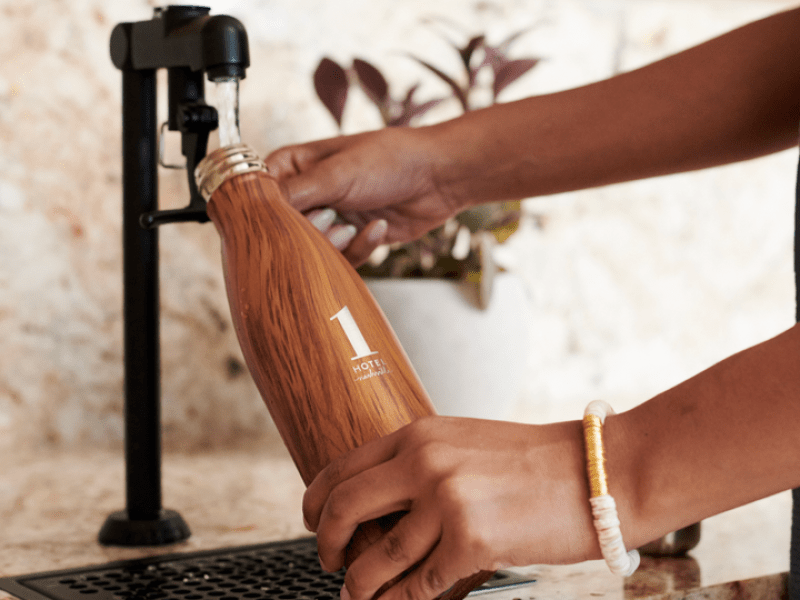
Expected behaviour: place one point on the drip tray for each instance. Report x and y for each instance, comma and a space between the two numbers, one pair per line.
274, 571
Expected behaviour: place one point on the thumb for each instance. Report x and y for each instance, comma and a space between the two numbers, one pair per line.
320, 186
305, 174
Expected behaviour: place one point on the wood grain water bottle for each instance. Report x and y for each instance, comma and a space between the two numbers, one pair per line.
318, 347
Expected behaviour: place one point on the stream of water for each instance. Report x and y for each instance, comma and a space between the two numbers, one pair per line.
227, 92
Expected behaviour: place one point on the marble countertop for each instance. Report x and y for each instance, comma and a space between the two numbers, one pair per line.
52, 507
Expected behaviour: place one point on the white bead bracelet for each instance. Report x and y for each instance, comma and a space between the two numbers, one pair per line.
604, 509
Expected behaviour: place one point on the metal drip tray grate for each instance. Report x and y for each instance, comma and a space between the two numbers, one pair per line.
275, 571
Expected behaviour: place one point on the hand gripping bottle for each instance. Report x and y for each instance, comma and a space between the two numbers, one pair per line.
318, 347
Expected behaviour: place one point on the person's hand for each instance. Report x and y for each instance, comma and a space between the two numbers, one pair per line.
381, 186
480, 495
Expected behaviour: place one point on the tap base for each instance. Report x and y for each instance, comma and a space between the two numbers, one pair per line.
120, 530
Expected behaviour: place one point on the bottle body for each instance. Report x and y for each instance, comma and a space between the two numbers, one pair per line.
320, 350
325, 360
320, 354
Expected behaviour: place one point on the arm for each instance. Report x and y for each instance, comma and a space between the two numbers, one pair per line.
733, 98
484, 495
723, 438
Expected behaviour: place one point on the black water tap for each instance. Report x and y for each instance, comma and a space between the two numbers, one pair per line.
192, 45
183, 36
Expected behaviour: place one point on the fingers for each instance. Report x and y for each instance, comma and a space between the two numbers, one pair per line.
399, 549
316, 187
322, 219
341, 469
362, 498
292, 160
306, 177
356, 247
362, 246
434, 576
340, 235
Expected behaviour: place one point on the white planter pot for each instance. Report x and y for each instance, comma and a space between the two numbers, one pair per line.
471, 361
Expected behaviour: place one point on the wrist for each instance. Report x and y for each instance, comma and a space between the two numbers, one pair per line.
574, 516
462, 161
623, 453
507, 152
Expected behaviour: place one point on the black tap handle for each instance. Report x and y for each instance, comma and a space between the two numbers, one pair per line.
176, 215
196, 120
191, 44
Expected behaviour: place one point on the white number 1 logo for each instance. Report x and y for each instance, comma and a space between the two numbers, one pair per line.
353, 334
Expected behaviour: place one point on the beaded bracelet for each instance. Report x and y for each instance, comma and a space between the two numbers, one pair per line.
604, 509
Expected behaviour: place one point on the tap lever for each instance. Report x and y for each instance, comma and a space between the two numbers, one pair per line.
162, 142
191, 118
177, 215
196, 120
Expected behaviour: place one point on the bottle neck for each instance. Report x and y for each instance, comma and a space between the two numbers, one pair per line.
224, 163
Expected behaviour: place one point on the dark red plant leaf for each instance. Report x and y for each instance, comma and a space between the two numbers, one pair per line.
403, 117
498, 55
506, 43
330, 82
418, 110
409, 110
509, 71
460, 94
372, 82
412, 111
410, 94
467, 51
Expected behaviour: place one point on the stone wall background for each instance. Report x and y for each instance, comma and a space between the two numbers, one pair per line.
632, 288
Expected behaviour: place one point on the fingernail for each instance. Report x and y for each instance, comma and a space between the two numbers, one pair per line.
323, 219
344, 594
322, 564
378, 231
342, 237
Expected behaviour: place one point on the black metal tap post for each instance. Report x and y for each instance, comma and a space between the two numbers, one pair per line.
189, 43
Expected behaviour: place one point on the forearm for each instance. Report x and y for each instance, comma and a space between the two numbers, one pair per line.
724, 438
730, 99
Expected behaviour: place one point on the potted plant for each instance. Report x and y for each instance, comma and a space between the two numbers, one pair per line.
468, 348
461, 249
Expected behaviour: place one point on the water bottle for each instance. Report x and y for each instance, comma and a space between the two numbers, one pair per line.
320, 350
